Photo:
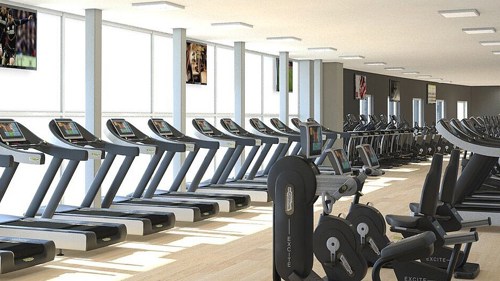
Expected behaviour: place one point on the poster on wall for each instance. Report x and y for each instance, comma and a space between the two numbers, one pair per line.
359, 87
196, 63
277, 75
394, 91
17, 37
431, 93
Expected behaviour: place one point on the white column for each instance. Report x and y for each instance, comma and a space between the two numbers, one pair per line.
283, 86
318, 90
333, 97
239, 83
179, 87
93, 79
306, 89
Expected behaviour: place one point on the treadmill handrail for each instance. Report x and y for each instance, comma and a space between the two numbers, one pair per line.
23, 156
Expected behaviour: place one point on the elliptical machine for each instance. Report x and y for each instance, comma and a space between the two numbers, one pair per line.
294, 184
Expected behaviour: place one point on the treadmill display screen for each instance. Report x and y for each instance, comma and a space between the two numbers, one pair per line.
231, 126
260, 126
315, 141
204, 126
9, 131
123, 128
341, 157
278, 124
162, 127
69, 130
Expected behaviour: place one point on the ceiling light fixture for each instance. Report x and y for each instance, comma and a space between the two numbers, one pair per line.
394, 68
465, 13
375, 63
424, 76
158, 5
355, 57
480, 30
436, 79
496, 52
490, 43
236, 24
322, 49
411, 72
284, 38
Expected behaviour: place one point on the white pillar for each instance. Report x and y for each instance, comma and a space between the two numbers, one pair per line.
306, 89
179, 87
239, 83
283, 86
93, 87
333, 97
318, 90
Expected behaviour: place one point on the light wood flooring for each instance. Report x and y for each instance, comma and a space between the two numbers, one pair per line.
237, 246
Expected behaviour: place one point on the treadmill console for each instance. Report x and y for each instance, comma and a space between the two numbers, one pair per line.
339, 161
10, 132
122, 128
311, 140
69, 130
368, 155
231, 126
278, 124
162, 127
204, 126
256, 123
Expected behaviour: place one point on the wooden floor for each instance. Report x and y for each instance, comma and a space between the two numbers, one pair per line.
236, 246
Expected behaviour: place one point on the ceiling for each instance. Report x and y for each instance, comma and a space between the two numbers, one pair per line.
409, 34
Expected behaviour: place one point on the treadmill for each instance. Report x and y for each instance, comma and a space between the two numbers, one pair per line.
235, 147
16, 140
68, 133
121, 132
19, 253
163, 131
284, 129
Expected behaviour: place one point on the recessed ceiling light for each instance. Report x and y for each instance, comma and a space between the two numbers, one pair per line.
322, 49
436, 79
284, 38
411, 72
158, 5
236, 24
424, 76
480, 30
496, 52
356, 57
490, 43
394, 68
465, 13
375, 63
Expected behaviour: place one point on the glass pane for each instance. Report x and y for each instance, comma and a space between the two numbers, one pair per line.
253, 83
74, 65
200, 98
37, 90
225, 80
162, 71
126, 70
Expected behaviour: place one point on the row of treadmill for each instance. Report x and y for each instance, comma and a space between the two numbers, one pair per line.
45, 231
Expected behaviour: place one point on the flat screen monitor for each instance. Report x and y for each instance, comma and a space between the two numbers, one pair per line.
18, 37
162, 127
368, 155
260, 126
69, 130
278, 124
341, 163
395, 92
123, 128
10, 132
204, 126
311, 140
231, 126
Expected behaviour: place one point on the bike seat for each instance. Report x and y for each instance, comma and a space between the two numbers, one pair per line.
402, 221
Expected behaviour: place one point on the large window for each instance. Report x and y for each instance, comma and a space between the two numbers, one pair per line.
440, 111
392, 108
461, 110
366, 106
418, 112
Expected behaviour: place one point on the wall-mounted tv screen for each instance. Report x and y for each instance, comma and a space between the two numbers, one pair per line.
196, 63
431, 93
359, 87
277, 75
394, 91
17, 37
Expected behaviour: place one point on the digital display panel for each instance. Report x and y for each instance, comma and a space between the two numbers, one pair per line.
231, 126
260, 126
123, 128
69, 130
162, 127
278, 124
204, 126
315, 141
341, 157
9, 132
371, 155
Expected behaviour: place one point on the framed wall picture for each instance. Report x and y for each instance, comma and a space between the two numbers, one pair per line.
394, 91
277, 75
431, 93
359, 87
196, 63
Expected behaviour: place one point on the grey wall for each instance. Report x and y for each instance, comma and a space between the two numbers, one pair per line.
378, 86
485, 101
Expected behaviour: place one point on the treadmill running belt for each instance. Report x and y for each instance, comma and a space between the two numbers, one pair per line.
99, 230
22, 250
155, 219
204, 208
